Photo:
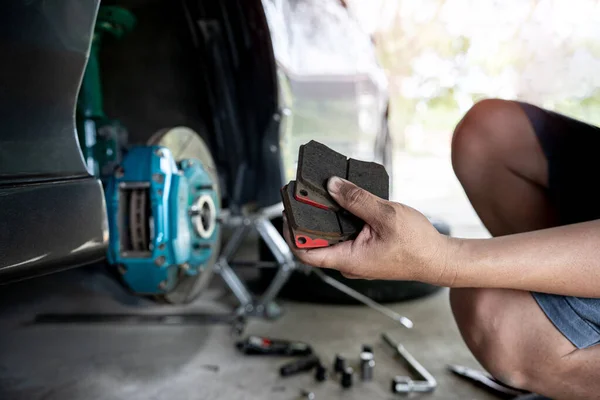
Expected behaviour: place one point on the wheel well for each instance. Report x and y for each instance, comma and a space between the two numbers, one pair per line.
205, 64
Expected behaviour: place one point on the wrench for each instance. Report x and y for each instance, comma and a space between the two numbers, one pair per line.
404, 384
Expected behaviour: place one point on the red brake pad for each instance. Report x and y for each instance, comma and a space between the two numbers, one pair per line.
317, 163
312, 227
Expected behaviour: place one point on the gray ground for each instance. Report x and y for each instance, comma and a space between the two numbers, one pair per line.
197, 363
104, 362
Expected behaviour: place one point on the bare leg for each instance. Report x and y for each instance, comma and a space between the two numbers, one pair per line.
501, 166
511, 337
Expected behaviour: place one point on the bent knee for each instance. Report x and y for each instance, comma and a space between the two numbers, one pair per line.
483, 132
491, 335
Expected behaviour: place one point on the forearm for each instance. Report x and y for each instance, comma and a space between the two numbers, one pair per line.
563, 260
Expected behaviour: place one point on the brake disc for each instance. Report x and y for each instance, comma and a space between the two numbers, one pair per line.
184, 143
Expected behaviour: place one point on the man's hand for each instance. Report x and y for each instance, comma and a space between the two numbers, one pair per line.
397, 242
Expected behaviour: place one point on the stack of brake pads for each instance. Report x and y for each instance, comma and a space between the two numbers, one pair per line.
314, 218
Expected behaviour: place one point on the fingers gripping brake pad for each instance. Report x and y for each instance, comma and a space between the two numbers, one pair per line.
317, 163
312, 227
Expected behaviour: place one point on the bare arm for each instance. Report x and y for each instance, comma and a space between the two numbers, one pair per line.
563, 260
397, 242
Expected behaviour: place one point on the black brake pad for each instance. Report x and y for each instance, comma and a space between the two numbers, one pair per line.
317, 163
312, 227
370, 176
314, 218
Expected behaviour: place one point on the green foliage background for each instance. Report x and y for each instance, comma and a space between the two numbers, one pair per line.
546, 52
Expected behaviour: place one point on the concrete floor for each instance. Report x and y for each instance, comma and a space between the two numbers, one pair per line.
175, 362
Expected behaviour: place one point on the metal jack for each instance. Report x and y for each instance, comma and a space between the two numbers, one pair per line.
261, 222
405, 384
286, 262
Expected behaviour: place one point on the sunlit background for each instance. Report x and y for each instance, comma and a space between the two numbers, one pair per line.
439, 58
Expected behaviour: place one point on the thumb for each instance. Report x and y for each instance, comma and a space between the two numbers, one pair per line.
338, 257
358, 201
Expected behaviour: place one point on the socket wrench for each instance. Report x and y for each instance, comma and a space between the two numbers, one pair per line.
405, 384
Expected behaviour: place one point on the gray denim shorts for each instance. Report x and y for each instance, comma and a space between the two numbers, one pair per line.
572, 149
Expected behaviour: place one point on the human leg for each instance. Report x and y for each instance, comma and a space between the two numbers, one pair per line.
502, 162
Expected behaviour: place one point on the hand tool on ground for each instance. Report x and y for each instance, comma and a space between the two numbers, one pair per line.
405, 384
259, 345
485, 380
367, 370
320, 373
297, 366
367, 364
346, 380
339, 364
366, 356
404, 321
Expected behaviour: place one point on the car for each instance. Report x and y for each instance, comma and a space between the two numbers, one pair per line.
84, 83
122, 119
52, 210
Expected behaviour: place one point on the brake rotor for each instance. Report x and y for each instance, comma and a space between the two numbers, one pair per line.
185, 143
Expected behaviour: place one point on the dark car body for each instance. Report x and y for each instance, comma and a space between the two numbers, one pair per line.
209, 65
52, 211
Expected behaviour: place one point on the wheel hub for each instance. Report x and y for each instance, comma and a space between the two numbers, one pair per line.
204, 216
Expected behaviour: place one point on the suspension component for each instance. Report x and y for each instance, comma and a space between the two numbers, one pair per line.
102, 139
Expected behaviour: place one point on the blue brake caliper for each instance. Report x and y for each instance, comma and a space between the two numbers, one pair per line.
162, 219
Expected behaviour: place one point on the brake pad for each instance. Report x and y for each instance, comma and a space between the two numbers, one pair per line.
370, 176
317, 163
312, 227
314, 218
